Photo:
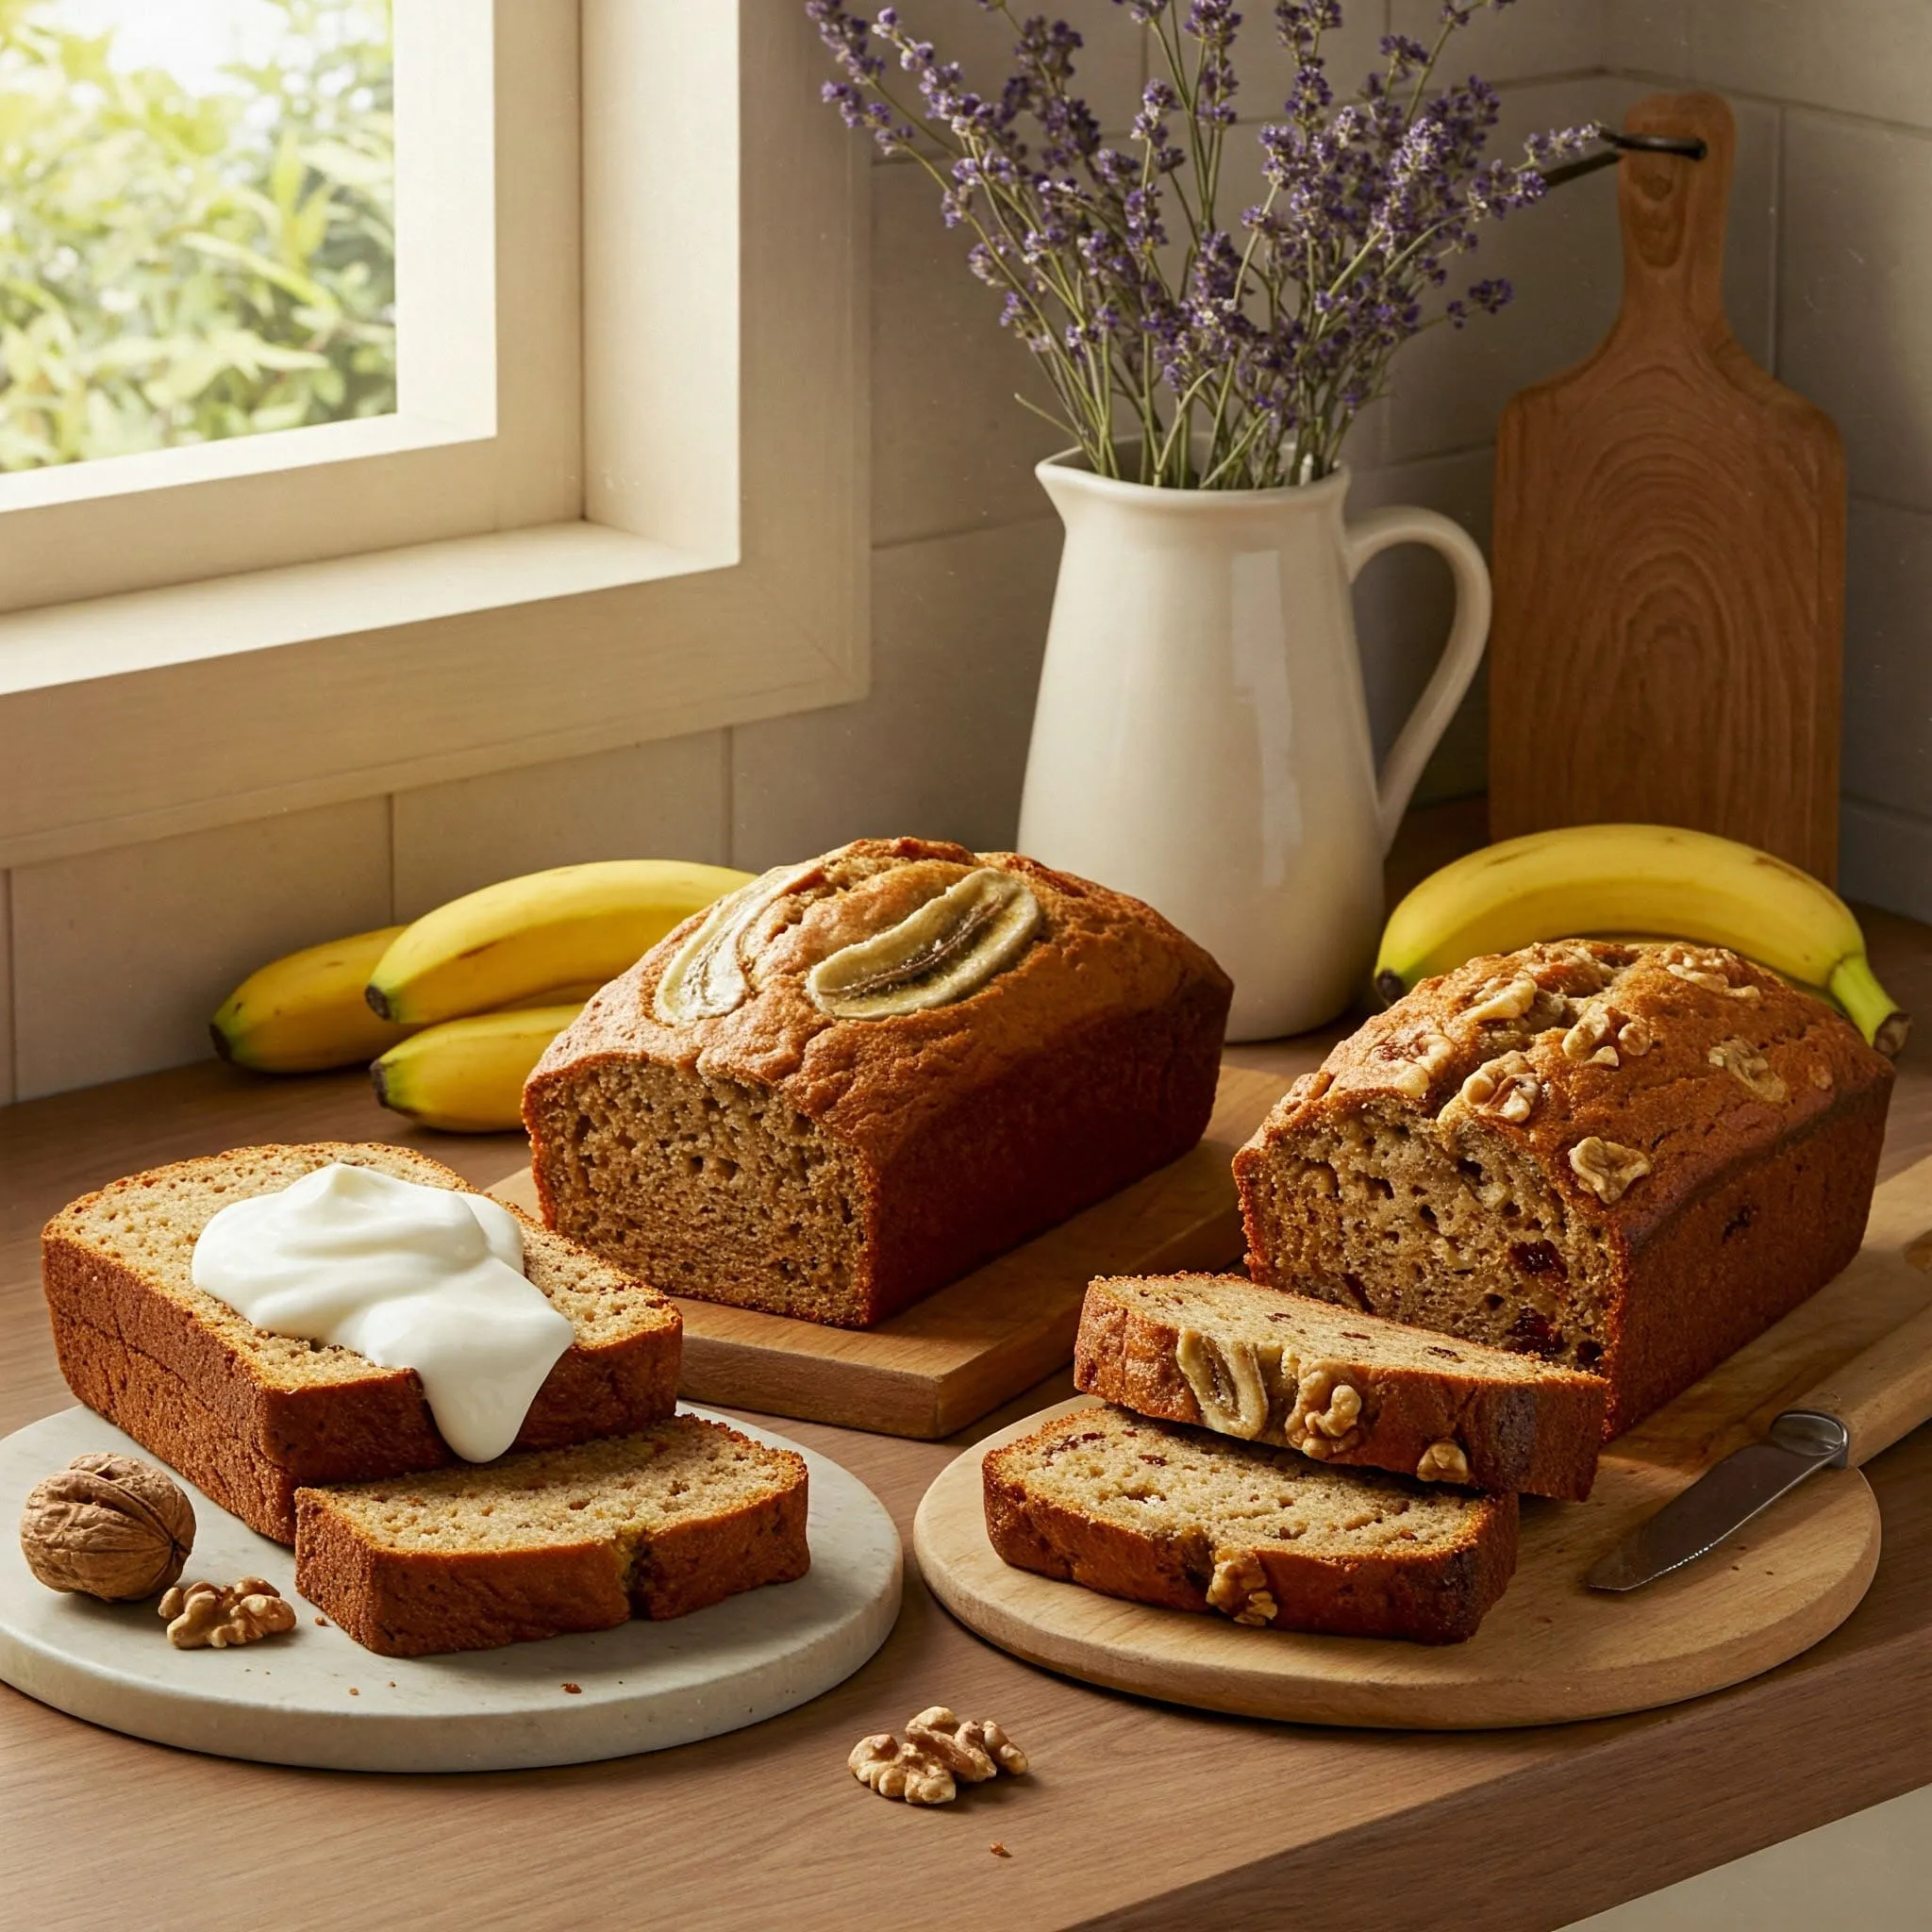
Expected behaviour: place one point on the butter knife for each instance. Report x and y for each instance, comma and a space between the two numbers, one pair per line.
1843, 1423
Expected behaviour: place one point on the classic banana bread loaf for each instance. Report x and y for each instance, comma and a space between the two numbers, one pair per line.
1163, 1514
1340, 1387
658, 1524
1627, 1159
855, 1080
248, 1417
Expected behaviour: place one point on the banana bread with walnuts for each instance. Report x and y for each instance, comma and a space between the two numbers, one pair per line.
247, 1416
658, 1524
858, 1078
1341, 1387
1163, 1514
1625, 1158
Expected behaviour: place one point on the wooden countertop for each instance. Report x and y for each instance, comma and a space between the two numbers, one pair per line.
1137, 1815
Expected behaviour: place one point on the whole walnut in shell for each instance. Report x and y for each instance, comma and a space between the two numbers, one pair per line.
111, 1527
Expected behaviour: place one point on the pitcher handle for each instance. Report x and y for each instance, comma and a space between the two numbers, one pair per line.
1368, 536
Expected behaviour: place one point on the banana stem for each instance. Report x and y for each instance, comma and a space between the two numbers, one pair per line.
1867, 1005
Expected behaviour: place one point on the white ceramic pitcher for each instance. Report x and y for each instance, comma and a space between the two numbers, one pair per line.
1202, 738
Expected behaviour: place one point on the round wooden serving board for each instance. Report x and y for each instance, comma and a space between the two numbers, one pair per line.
313, 1697
1550, 1651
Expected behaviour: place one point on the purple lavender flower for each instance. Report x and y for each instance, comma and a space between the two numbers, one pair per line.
1193, 346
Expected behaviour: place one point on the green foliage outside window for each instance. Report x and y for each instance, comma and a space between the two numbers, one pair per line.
176, 267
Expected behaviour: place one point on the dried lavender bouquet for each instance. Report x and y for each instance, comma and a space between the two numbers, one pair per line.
1186, 345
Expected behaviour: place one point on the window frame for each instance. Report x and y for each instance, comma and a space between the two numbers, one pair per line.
712, 571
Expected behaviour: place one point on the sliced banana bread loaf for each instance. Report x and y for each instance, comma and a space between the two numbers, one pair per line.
652, 1524
1340, 1387
1163, 1514
1628, 1160
858, 1078
248, 1417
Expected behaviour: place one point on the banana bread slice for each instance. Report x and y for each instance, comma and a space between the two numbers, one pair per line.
658, 1524
1343, 1387
1160, 1513
1628, 1160
248, 1417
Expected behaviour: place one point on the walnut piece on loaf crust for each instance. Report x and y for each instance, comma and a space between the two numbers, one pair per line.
861, 1076
1630, 1160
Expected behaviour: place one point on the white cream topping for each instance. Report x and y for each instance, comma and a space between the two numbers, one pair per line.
412, 1277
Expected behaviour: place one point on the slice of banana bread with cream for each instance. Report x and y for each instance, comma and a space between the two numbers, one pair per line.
248, 1416
1343, 1387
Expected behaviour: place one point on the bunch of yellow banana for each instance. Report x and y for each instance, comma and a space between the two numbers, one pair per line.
460, 1005
1625, 881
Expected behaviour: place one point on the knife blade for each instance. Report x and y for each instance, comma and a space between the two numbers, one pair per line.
1724, 1498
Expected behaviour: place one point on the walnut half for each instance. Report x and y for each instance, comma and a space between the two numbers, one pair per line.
111, 1527
1238, 1589
216, 1616
1607, 1169
939, 1752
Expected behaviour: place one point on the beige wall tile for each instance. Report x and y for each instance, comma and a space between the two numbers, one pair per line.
1647, 36
952, 449
5, 989
1888, 738
664, 800
1856, 292
1862, 56
1871, 1870
1404, 603
120, 957
1520, 42
1885, 859
1564, 257
939, 746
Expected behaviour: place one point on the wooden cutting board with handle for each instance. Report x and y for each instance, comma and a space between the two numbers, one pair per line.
1669, 553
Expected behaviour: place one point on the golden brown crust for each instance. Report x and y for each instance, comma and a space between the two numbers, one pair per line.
1087, 1062
1438, 1595
418, 1602
156, 1366
1539, 1435
1753, 1110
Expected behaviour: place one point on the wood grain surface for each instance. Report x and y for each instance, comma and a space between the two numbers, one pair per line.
1669, 554
1138, 1814
947, 1361
1552, 1650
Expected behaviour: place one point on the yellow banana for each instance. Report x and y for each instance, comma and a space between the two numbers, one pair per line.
466, 1076
1581, 880
514, 940
306, 1012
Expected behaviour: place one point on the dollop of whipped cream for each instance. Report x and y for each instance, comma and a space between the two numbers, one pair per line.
412, 1277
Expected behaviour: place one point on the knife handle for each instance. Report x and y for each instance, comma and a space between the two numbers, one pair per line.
1883, 1394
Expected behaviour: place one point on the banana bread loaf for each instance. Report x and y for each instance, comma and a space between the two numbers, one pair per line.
1628, 1160
658, 1524
855, 1080
248, 1417
1341, 1387
1163, 1514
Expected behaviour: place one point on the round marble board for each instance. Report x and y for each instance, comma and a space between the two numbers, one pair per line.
315, 1698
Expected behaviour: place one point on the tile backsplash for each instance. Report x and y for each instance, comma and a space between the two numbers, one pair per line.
116, 959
